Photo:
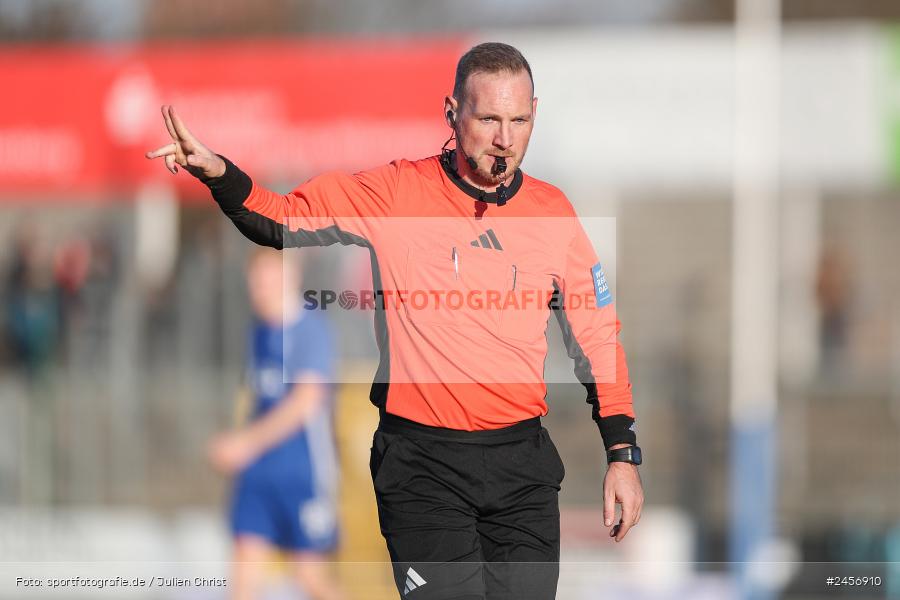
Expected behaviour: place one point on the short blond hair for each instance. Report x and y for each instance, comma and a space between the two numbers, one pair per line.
490, 57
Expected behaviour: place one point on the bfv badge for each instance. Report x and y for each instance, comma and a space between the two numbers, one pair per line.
601, 288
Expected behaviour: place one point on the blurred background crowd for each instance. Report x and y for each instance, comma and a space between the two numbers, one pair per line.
125, 312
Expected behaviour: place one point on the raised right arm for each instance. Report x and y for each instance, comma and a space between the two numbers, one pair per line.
327, 209
330, 208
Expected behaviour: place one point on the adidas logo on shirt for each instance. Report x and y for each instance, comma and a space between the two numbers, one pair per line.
413, 581
487, 240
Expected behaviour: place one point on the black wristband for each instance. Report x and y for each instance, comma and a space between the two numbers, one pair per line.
617, 429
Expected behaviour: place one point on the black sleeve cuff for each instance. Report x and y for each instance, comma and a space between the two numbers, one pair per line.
231, 189
617, 429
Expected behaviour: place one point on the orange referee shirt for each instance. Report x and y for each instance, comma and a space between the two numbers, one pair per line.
465, 288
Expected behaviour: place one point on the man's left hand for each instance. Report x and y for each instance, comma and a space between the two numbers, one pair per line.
622, 485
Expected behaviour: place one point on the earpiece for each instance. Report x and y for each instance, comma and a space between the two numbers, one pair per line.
452, 118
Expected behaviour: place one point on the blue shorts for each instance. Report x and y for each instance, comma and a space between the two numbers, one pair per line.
282, 507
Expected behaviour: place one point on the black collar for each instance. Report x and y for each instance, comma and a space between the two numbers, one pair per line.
490, 197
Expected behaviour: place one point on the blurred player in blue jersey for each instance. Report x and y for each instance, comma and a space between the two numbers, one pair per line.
284, 457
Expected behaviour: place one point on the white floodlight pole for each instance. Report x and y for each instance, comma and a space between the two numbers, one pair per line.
754, 396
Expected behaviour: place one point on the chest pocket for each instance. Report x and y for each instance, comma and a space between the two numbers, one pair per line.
462, 287
525, 312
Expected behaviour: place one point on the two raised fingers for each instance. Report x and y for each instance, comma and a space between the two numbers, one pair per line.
168, 113
177, 129
183, 145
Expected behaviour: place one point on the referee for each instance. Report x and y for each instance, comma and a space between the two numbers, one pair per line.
470, 259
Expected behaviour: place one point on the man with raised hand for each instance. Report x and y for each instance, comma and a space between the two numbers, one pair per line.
470, 257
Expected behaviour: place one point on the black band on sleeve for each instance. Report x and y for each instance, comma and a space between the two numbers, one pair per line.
231, 189
617, 429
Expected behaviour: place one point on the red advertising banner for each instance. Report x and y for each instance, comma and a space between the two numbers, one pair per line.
77, 120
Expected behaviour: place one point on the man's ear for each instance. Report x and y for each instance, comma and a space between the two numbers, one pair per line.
450, 111
534, 108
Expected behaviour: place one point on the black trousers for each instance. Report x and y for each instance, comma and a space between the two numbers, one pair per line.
469, 515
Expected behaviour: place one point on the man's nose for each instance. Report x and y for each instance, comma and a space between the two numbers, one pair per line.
503, 138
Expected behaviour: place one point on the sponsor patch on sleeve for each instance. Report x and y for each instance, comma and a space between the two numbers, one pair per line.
601, 288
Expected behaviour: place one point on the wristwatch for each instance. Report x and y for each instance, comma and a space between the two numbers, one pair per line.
630, 454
